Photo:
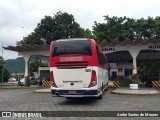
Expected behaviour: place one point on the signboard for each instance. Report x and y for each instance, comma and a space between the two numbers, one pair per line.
154, 47
108, 49
65, 59
125, 66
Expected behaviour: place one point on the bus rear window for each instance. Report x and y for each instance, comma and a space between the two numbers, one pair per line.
82, 47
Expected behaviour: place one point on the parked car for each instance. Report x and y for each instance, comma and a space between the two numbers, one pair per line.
39, 81
12, 79
33, 81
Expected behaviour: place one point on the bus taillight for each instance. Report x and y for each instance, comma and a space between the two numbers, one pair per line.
93, 79
52, 79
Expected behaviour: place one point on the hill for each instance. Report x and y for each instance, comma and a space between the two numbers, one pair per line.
15, 65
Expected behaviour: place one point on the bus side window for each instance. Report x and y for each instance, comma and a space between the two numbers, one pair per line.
101, 58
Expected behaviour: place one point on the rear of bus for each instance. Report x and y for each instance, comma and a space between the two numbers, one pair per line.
71, 68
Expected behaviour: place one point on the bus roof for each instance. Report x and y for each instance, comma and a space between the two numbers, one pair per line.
72, 39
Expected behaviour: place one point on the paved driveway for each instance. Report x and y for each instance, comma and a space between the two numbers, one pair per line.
27, 100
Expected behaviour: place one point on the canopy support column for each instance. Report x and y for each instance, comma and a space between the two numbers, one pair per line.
27, 81
134, 53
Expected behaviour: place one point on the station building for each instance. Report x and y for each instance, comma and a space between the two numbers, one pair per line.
122, 56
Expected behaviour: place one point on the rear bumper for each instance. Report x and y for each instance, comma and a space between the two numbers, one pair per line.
79, 93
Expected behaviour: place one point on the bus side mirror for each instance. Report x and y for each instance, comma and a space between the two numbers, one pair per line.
108, 67
1, 67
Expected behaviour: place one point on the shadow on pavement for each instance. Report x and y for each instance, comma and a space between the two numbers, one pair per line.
79, 101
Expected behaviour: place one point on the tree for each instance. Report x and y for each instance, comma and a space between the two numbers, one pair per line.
86, 33
150, 68
35, 63
61, 25
123, 27
6, 73
112, 29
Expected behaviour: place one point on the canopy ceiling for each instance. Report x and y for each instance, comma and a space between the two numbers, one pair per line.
128, 41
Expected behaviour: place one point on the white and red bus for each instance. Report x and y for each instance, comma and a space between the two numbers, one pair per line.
78, 68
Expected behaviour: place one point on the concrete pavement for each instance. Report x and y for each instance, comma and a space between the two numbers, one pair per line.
140, 91
45, 90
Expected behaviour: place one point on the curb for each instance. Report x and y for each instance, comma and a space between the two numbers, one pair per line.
43, 90
20, 87
153, 94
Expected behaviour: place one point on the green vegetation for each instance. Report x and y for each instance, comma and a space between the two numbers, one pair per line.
134, 78
120, 28
149, 68
6, 73
61, 25
125, 82
35, 63
86, 33
18, 65
15, 65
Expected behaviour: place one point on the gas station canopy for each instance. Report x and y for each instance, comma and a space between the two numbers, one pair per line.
28, 48
115, 50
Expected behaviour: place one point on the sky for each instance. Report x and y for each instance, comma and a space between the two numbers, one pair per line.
18, 18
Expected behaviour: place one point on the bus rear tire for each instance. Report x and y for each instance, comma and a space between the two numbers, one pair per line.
100, 96
107, 87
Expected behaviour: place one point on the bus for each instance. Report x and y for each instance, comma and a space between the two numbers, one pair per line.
78, 68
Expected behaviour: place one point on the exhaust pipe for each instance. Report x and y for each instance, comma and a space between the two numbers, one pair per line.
57, 94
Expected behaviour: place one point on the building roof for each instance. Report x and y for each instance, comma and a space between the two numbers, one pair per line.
28, 48
128, 41
114, 56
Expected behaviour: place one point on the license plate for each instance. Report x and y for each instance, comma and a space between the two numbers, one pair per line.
72, 91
